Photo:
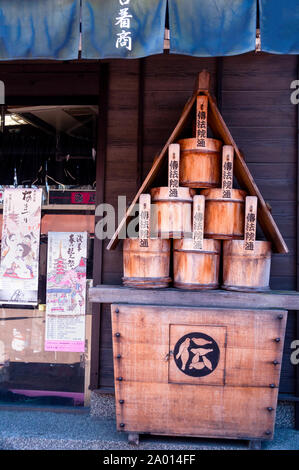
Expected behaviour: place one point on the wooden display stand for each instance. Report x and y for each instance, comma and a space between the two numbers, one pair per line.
241, 336
199, 363
183, 371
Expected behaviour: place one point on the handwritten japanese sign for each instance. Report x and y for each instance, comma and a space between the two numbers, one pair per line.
198, 222
201, 121
250, 222
173, 170
20, 245
227, 171
123, 21
66, 291
144, 219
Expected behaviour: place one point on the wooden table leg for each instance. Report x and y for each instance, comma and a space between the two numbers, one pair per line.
255, 444
133, 439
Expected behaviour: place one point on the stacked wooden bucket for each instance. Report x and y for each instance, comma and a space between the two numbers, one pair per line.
200, 230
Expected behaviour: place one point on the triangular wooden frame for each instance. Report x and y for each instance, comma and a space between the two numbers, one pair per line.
241, 171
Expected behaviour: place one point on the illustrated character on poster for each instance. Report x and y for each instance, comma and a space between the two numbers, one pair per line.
9, 247
78, 281
20, 269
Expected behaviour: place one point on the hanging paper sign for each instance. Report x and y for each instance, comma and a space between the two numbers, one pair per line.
201, 121
227, 171
144, 219
173, 170
66, 291
198, 221
20, 246
250, 222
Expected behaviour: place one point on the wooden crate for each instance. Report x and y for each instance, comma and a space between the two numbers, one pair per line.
167, 383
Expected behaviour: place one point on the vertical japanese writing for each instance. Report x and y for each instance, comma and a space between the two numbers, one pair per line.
144, 219
250, 222
71, 251
27, 197
198, 221
173, 170
201, 121
123, 21
227, 171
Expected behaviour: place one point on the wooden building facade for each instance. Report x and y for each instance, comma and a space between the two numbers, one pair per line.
140, 102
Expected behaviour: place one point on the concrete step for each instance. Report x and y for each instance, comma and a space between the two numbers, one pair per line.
49, 430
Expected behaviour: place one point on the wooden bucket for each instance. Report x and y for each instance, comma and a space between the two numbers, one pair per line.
246, 271
196, 269
146, 267
172, 217
200, 167
224, 218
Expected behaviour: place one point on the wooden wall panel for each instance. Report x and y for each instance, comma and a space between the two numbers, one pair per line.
169, 82
257, 109
121, 165
67, 80
120, 180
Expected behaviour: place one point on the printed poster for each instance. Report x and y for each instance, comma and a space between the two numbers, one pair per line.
20, 246
66, 291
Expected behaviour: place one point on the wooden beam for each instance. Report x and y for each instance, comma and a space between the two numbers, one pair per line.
215, 298
67, 223
63, 223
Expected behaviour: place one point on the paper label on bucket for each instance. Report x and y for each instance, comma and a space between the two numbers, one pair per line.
198, 221
227, 171
250, 222
144, 219
173, 170
201, 121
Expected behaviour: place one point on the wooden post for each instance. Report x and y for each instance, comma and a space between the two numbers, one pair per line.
87, 353
227, 171
100, 194
201, 121
144, 219
250, 223
198, 221
173, 170
202, 82
255, 444
133, 439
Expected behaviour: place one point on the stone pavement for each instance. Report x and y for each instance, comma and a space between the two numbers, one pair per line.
67, 430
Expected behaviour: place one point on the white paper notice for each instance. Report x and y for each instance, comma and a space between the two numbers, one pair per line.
20, 245
66, 291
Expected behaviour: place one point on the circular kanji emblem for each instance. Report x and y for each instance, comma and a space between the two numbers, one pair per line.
196, 354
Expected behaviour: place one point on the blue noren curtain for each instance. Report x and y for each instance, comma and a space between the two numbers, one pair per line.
209, 28
122, 28
279, 26
39, 29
